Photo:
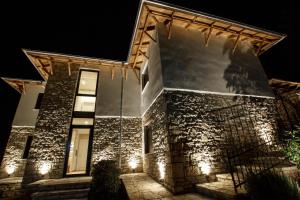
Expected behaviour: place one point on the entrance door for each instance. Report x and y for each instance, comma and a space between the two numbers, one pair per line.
78, 151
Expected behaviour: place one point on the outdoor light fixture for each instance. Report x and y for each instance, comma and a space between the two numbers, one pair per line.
132, 163
205, 168
161, 168
44, 167
10, 169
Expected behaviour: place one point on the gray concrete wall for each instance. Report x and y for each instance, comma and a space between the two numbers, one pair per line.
155, 84
188, 64
26, 114
109, 94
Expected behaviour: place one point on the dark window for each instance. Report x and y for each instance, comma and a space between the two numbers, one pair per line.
39, 101
145, 78
27, 147
148, 139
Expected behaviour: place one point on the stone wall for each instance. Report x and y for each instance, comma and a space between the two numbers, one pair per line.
53, 122
193, 130
156, 118
14, 151
203, 127
106, 141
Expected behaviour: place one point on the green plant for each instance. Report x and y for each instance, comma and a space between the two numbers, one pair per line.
272, 185
105, 181
292, 148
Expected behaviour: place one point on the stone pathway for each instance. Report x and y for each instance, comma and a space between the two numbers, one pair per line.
140, 186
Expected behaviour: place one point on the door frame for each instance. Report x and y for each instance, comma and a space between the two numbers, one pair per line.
89, 151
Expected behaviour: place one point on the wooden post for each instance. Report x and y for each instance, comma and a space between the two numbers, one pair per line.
236, 43
51, 69
24, 88
209, 34
170, 26
69, 68
113, 73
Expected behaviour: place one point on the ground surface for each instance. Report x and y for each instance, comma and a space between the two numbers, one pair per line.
140, 186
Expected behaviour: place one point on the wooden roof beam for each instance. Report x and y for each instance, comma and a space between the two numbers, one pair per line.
141, 38
144, 54
154, 40
220, 28
190, 23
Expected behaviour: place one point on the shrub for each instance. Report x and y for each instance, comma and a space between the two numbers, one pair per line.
272, 185
292, 148
105, 180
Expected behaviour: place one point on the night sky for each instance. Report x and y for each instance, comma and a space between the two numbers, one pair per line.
105, 31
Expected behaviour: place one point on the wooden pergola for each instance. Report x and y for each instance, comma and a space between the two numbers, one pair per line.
151, 13
20, 84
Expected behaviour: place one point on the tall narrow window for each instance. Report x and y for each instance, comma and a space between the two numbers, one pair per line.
39, 101
145, 78
88, 83
148, 146
27, 147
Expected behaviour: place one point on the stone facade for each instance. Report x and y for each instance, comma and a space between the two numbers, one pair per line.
14, 151
191, 130
53, 123
106, 141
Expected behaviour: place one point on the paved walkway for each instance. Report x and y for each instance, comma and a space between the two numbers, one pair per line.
140, 186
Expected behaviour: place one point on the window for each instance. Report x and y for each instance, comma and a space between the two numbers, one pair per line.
27, 147
39, 101
148, 146
85, 104
88, 83
145, 78
82, 121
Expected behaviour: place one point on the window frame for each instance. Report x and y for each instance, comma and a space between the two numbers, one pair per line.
148, 139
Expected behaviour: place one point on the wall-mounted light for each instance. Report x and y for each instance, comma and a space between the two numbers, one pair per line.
44, 167
83, 82
132, 163
205, 167
161, 168
10, 168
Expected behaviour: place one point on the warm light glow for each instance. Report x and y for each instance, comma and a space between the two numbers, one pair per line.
86, 122
44, 167
83, 82
205, 168
161, 168
132, 163
10, 169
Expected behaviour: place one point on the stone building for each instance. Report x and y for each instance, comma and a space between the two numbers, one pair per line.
190, 96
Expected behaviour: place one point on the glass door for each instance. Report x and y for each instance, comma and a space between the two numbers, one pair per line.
78, 153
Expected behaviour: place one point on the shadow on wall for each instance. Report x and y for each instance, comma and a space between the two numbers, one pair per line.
244, 74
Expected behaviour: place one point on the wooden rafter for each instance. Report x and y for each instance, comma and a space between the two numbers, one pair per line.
140, 41
51, 67
204, 24
190, 23
259, 48
144, 54
154, 40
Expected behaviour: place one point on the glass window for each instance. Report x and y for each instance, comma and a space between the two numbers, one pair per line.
85, 104
88, 83
148, 146
82, 121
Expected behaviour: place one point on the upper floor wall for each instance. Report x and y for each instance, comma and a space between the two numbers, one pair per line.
26, 112
188, 64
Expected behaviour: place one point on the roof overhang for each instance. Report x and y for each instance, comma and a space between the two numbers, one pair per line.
283, 86
19, 84
150, 13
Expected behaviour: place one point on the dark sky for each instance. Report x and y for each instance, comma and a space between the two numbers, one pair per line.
105, 31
